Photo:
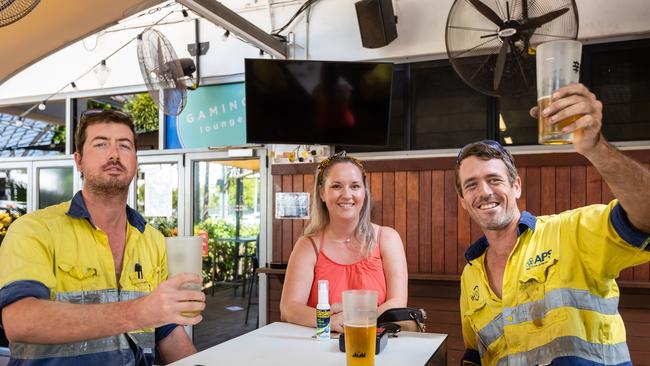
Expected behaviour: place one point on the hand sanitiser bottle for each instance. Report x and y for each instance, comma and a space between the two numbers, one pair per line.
323, 312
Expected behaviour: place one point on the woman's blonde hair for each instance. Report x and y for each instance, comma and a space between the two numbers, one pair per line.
320, 215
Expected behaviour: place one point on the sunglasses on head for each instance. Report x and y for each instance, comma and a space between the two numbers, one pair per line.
491, 143
339, 156
92, 113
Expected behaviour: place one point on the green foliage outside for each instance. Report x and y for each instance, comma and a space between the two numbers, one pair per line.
143, 111
59, 135
168, 226
222, 252
249, 186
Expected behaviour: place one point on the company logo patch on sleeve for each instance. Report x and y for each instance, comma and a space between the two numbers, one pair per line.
539, 259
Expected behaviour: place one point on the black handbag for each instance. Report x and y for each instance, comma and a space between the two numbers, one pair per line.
408, 319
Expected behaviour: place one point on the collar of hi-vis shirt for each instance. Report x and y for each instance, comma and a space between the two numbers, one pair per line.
79, 210
526, 221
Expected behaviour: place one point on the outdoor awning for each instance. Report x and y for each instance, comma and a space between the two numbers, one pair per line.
55, 24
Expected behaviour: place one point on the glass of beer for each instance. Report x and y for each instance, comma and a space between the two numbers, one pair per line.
184, 254
558, 65
360, 323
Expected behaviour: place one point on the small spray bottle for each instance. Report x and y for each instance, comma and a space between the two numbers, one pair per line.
323, 312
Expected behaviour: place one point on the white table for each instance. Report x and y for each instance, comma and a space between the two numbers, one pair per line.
289, 344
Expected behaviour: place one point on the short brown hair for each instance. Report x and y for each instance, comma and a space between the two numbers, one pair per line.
94, 116
485, 150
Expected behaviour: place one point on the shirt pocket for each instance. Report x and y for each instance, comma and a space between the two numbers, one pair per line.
533, 282
537, 299
145, 281
76, 284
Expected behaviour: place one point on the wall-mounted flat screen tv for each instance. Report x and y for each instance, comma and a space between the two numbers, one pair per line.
317, 102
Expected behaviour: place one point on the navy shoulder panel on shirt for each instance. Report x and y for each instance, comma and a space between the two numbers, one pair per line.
624, 228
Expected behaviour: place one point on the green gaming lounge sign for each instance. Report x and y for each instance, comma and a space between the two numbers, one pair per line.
213, 116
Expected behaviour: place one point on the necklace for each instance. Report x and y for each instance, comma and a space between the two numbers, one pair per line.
345, 241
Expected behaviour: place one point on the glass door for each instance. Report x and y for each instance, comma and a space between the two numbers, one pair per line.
15, 188
159, 192
226, 199
54, 182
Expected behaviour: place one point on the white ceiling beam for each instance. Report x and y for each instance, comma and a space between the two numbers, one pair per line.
220, 15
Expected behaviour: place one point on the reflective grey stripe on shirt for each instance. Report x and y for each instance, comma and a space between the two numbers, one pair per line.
563, 297
607, 354
36, 351
146, 340
98, 296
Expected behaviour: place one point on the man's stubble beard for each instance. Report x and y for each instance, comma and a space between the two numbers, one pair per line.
110, 187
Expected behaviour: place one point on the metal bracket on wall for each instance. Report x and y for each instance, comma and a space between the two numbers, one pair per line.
203, 48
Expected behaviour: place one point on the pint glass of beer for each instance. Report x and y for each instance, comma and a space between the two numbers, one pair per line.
558, 65
360, 322
184, 254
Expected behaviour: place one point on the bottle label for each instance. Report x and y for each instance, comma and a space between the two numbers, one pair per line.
323, 324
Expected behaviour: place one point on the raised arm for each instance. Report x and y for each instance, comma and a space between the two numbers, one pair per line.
627, 178
297, 285
395, 270
40, 321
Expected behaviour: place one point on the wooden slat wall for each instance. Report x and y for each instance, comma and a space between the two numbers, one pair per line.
418, 198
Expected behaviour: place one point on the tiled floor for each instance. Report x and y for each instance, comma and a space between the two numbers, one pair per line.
220, 324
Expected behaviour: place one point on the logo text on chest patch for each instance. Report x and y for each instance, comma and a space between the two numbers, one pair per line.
539, 259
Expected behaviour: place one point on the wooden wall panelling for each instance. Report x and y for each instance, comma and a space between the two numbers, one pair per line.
594, 186
438, 221
464, 235
308, 186
547, 192
376, 187
287, 225
475, 230
606, 192
412, 222
451, 223
276, 251
424, 222
400, 205
388, 198
533, 191
562, 189
578, 186
521, 202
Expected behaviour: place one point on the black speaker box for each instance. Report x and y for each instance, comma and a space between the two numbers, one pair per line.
377, 22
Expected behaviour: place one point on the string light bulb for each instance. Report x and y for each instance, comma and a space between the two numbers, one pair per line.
19, 122
102, 71
74, 86
42, 105
225, 36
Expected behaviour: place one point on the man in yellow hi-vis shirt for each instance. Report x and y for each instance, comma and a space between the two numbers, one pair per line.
85, 282
542, 290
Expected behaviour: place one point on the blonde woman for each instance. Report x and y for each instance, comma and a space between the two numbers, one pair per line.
341, 245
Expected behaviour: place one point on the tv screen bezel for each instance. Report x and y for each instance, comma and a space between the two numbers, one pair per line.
308, 141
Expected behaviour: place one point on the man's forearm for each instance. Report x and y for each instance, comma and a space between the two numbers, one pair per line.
628, 180
32, 320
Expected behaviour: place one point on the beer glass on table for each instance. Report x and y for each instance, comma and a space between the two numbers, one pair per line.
558, 65
184, 254
360, 326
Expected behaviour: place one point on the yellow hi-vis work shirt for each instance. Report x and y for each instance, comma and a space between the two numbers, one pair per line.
559, 300
58, 254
